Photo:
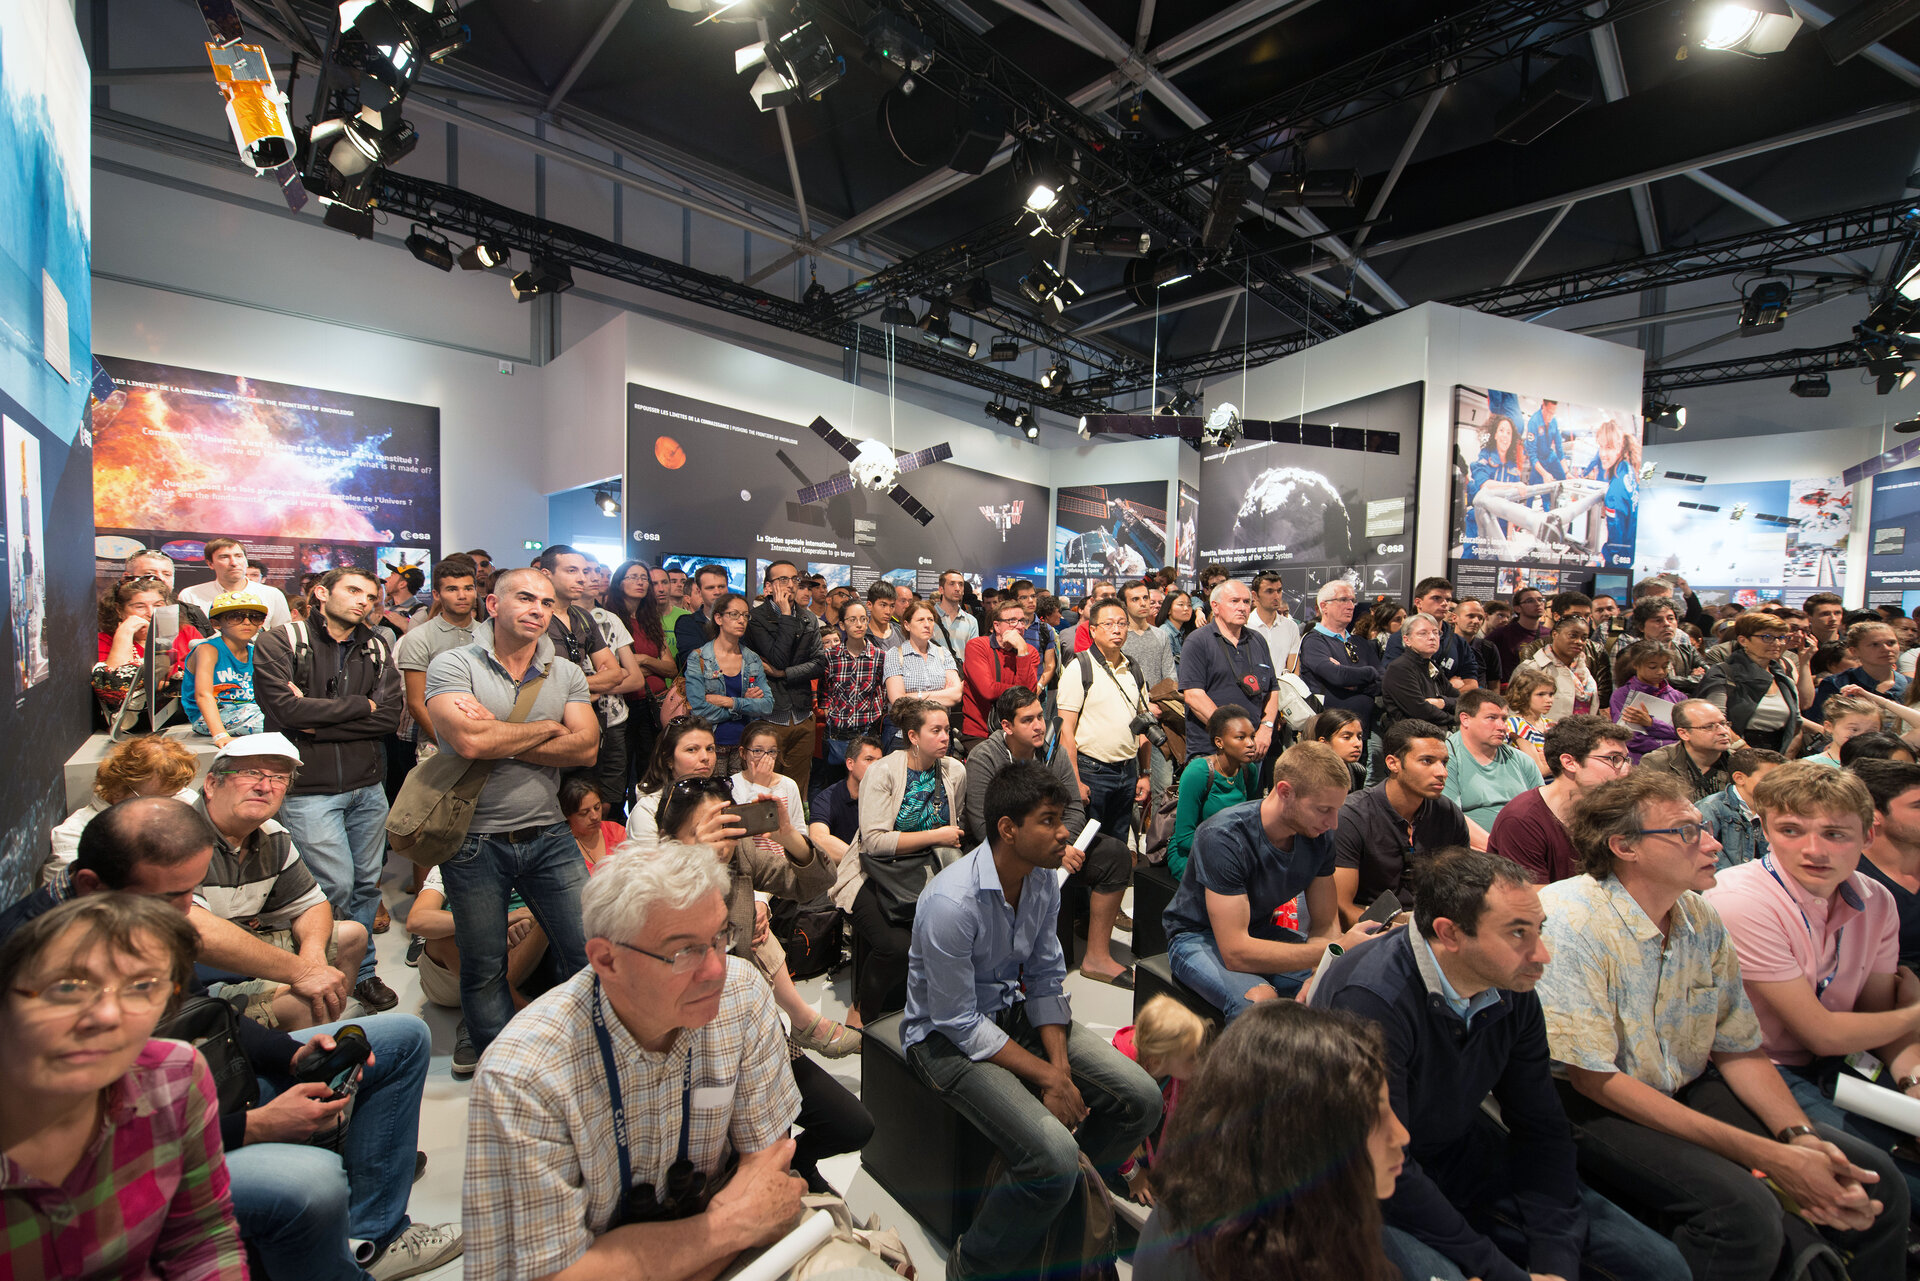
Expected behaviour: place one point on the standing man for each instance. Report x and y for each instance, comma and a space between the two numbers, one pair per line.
1038, 634
992, 665
670, 610
228, 560
1152, 655
1101, 695
579, 638
1825, 612
149, 563
1534, 828
953, 626
1387, 831
989, 1026
1343, 669
1700, 758
786, 635
1272, 620
881, 630
694, 628
518, 839
403, 583
1526, 625
1455, 658
329, 684
1483, 772
1606, 617
1225, 662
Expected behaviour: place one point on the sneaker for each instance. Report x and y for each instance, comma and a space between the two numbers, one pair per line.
415, 946
375, 995
421, 1248
465, 1057
419, 1166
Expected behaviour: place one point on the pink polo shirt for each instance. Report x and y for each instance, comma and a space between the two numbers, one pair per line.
1852, 936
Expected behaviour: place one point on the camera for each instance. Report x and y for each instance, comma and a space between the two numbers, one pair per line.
1150, 726
688, 1192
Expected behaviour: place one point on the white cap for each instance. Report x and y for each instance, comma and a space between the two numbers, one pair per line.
272, 743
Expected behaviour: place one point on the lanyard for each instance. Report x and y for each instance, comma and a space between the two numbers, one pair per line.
1138, 701
618, 1100
1820, 988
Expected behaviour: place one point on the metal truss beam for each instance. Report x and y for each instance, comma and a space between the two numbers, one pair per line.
1780, 364
1764, 249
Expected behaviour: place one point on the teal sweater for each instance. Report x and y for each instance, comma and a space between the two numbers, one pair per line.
1204, 793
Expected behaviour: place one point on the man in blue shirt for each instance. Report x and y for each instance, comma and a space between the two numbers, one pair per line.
1247, 863
988, 1025
1454, 997
1343, 669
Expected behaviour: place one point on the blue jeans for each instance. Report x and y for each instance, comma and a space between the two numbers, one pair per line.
342, 839
1822, 1110
298, 1205
1111, 784
1619, 1246
1195, 960
549, 873
1042, 1157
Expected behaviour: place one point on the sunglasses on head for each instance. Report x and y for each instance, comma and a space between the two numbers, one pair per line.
710, 786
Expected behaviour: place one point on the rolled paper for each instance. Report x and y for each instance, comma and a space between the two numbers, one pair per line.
1080, 842
778, 1259
1876, 1103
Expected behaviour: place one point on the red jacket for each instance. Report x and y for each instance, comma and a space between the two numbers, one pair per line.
986, 671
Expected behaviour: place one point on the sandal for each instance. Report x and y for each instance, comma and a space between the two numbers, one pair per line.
381, 921
1124, 979
827, 1037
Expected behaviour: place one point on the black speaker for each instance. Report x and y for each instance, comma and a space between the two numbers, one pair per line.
982, 130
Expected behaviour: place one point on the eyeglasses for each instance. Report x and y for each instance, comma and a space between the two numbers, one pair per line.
692, 956
758, 751
1771, 638
1614, 761
264, 777
1708, 725
785, 578
143, 578
710, 786
735, 613
136, 996
1689, 833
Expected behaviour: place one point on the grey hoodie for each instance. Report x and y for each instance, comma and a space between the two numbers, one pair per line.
988, 758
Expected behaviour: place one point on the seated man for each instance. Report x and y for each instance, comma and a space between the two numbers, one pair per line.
1247, 862
1700, 758
1386, 830
1729, 813
1483, 772
1582, 752
430, 919
1642, 998
1893, 858
258, 881
1105, 868
664, 1053
1819, 944
1454, 996
835, 810
308, 1210
989, 1027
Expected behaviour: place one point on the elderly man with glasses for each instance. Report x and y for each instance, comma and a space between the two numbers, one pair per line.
1227, 663
1700, 758
1343, 669
610, 1109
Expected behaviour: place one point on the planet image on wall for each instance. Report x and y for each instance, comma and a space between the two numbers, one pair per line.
667, 452
1298, 510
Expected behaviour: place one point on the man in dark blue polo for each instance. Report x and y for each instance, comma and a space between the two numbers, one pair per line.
690, 629
1454, 996
1226, 663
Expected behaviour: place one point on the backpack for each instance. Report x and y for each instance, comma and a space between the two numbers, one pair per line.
212, 1027
811, 935
300, 643
1083, 1242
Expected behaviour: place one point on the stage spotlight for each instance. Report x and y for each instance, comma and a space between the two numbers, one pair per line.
1001, 413
1909, 286
1765, 309
1811, 387
1908, 427
1042, 179
1887, 365
937, 328
606, 502
1043, 285
1661, 414
1182, 402
1113, 242
1315, 189
1054, 377
1003, 350
974, 294
1100, 385
543, 276
800, 64
1752, 27
1886, 384
430, 249
1027, 423
483, 254
815, 296
898, 315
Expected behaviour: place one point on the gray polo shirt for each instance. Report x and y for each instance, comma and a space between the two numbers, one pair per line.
516, 794
425, 641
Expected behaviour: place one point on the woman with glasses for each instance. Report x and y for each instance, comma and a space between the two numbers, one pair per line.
110, 1155
854, 693
685, 749
910, 806
758, 780
123, 619
1755, 687
726, 683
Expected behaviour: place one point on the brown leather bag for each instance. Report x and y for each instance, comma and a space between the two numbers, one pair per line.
430, 816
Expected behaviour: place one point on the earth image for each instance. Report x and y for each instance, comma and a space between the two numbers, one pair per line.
1297, 509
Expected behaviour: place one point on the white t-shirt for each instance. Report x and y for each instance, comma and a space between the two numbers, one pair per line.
784, 789
272, 599
1283, 637
612, 707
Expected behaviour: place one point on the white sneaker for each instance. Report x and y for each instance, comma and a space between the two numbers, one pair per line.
420, 1248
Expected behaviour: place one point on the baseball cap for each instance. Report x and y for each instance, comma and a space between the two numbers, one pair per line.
232, 602
271, 743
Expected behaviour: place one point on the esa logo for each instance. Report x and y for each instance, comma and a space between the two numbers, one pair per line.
414, 536
1387, 549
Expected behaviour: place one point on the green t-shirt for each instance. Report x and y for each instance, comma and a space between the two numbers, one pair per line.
1481, 790
1204, 793
667, 620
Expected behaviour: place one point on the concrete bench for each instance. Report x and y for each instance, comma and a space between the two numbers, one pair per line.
927, 1156
1153, 889
1153, 976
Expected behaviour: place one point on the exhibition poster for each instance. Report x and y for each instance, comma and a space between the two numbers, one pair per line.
709, 484
307, 479
1545, 492
1317, 511
1893, 545
26, 555
1186, 533
1111, 532
1749, 542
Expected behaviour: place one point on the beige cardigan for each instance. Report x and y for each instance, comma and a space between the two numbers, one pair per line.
880, 792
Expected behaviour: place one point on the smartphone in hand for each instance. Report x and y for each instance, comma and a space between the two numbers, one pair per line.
758, 817
1384, 908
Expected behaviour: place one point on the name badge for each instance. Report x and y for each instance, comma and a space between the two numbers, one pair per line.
710, 1097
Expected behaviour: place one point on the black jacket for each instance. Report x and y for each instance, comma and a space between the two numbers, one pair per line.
1405, 687
337, 732
790, 642
1739, 684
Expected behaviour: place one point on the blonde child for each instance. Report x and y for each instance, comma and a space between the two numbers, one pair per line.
1530, 696
1167, 1040
1845, 715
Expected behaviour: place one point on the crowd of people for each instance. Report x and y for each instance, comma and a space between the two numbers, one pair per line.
1540, 932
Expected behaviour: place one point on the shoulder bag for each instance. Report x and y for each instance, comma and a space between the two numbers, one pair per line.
899, 878
211, 1026
430, 816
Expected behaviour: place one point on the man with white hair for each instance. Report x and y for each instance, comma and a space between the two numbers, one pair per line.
604, 1113
1343, 669
1227, 663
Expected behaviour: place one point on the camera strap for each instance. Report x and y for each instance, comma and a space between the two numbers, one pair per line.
617, 1097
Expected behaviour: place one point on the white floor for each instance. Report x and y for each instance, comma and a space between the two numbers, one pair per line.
443, 1116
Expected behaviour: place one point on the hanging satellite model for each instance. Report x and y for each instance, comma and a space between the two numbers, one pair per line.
872, 465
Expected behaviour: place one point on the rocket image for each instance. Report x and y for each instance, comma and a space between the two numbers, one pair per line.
26, 526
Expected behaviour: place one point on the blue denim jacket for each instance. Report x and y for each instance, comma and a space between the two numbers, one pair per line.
704, 678
1736, 827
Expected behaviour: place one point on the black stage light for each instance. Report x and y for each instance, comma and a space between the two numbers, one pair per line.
1000, 413
815, 296
1661, 414
1182, 402
974, 294
1045, 286
543, 276
1765, 309
483, 254
1315, 189
798, 65
899, 315
1230, 192
433, 250
937, 328
357, 223
1113, 242
606, 502
1003, 350
1887, 365
1026, 422
1100, 385
1812, 387
1054, 377
1751, 27
1042, 179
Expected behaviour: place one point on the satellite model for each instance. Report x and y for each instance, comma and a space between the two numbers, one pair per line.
1003, 517
872, 465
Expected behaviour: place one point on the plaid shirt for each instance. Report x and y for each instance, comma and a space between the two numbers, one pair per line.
149, 1195
543, 1170
856, 696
